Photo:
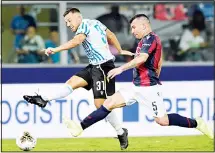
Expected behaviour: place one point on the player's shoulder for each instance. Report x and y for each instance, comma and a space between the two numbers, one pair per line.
152, 36
84, 25
156, 37
85, 22
91, 21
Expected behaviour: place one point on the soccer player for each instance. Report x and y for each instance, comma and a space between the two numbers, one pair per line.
94, 37
146, 85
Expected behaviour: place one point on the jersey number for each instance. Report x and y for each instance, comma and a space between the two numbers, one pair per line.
100, 85
154, 107
101, 32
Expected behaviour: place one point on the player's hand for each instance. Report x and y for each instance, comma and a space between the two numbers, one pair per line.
114, 72
49, 51
125, 52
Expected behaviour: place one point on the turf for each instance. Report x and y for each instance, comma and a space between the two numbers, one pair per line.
179, 143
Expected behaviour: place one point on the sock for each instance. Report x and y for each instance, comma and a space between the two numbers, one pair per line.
59, 93
178, 120
94, 117
113, 120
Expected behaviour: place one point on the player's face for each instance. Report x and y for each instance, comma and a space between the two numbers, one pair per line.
72, 21
137, 28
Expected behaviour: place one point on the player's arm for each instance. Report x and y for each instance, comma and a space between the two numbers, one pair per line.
81, 34
158, 71
77, 40
146, 49
135, 62
114, 41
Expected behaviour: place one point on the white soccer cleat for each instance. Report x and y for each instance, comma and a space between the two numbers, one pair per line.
204, 128
74, 128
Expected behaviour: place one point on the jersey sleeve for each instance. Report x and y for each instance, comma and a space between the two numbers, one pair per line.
83, 28
148, 45
101, 25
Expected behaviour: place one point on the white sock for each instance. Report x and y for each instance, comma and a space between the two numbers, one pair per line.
59, 93
113, 120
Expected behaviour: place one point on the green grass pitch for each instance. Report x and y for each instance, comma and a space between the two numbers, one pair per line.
173, 143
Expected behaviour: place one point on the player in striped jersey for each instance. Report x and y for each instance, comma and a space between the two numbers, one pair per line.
94, 37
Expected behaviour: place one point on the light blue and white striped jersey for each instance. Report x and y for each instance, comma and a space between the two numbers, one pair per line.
95, 44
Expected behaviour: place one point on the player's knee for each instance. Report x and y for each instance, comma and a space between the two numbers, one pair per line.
109, 103
70, 81
98, 102
76, 82
163, 121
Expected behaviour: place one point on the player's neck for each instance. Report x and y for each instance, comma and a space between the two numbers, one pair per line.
148, 32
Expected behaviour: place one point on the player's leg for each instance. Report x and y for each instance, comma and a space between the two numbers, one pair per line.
153, 99
115, 101
173, 119
73, 83
81, 79
111, 118
120, 99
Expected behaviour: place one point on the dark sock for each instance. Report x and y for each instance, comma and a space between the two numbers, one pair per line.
94, 117
178, 120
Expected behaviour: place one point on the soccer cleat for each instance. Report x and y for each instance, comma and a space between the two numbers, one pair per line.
37, 100
123, 139
74, 128
204, 128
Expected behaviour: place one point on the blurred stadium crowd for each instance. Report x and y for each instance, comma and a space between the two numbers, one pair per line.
191, 40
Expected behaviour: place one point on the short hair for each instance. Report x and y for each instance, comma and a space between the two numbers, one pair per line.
73, 10
138, 16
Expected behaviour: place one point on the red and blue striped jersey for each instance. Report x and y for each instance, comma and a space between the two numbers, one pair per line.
145, 74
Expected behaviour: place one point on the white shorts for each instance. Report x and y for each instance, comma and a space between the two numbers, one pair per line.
150, 96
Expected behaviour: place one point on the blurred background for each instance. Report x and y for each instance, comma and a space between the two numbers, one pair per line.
186, 30
187, 34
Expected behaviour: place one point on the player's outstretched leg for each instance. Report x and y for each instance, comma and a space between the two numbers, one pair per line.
41, 100
114, 101
181, 121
